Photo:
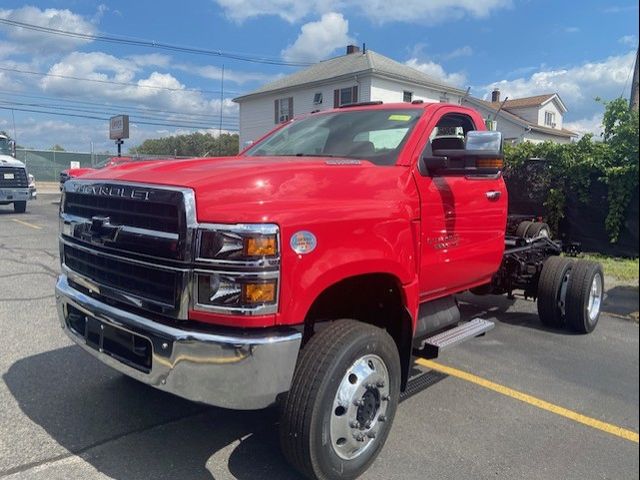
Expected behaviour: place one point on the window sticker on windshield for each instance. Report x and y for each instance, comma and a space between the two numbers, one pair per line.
400, 118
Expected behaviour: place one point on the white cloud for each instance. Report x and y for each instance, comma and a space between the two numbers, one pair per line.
381, 11
591, 124
436, 71
151, 60
319, 39
215, 73
571, 29
628, 40
24, 40
465, 51
155, 90
577, 86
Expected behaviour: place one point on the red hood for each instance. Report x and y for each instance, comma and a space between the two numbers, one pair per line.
77, 172
273, 189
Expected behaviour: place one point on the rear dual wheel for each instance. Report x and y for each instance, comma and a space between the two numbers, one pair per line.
570, 293
342, 402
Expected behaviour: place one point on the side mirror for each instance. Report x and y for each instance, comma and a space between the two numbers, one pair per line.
12, 146
482, 155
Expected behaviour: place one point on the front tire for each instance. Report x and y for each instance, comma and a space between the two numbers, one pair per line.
20, 207
336, 418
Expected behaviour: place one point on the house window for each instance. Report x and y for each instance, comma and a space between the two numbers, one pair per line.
283, 109
345, 96
317, 98
407, 96
550, 119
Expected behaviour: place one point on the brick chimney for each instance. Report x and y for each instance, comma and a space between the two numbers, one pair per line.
352, 49
495, 95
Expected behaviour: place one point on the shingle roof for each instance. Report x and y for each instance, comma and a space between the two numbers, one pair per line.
516, 118
351, 64
523, 102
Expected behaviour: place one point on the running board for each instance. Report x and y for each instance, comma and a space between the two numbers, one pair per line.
432, 346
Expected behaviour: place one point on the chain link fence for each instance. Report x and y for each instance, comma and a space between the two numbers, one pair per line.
46, 165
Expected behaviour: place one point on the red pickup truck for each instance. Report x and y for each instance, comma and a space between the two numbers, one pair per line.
309, 270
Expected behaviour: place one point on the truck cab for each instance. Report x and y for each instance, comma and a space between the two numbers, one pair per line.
16, 185
306, 271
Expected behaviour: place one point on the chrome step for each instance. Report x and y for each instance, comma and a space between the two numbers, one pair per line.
432, 346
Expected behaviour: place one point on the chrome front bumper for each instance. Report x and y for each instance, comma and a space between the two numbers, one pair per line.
243, 371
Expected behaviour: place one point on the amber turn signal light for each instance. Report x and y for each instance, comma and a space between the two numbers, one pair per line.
497, 163
258, 292
264, 245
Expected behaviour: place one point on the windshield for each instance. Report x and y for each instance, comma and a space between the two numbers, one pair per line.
374, 135
5, 148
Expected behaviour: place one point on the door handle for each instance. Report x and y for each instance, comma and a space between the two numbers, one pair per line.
493, 194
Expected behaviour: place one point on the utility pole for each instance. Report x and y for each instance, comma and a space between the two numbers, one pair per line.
633, 99
221, 105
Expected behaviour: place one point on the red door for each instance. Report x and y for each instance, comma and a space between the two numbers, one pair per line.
463, 218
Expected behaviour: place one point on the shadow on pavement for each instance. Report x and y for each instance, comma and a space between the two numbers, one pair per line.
621, 300
498, 307
128, 430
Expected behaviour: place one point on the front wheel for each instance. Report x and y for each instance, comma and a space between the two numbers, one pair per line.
343, 399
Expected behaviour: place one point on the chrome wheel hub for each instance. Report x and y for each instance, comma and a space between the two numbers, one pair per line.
595, 298
359, 407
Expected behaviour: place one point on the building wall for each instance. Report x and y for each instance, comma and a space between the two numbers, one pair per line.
515, 133
391, 91
257, 114
530, 114
553, 108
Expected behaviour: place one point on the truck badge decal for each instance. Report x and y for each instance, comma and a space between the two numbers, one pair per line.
303, 242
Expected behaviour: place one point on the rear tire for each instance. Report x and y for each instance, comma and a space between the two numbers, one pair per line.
537, 229
522, 229
347, 377
552, 288
585, 294
20, 207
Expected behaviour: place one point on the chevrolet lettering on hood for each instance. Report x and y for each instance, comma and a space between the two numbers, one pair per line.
120, 191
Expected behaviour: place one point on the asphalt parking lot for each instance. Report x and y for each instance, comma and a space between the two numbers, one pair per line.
521, 402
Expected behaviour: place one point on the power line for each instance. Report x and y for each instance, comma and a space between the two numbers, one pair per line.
133, 117
109, 82
153, 44
115, 107
104, 119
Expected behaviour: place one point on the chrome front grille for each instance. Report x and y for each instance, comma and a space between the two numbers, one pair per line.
138, 279
129, 243
13, 177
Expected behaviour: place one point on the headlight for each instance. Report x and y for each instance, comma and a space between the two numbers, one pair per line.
238, 243
237, 292
238, 268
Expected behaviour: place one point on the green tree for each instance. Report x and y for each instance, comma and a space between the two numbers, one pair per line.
572, 167
57, 148
193, 145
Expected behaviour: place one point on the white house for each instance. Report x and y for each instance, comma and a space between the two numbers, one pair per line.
532, 119
363, 76
355, 77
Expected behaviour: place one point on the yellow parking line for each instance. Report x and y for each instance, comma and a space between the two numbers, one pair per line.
27, 224
531, 400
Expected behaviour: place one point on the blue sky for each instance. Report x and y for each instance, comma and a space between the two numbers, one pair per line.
579, 49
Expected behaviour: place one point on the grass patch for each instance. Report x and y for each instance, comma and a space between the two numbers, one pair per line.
622, 269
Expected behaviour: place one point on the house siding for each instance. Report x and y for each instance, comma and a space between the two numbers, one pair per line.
390, 91
516, 133
256, 115
553, 108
